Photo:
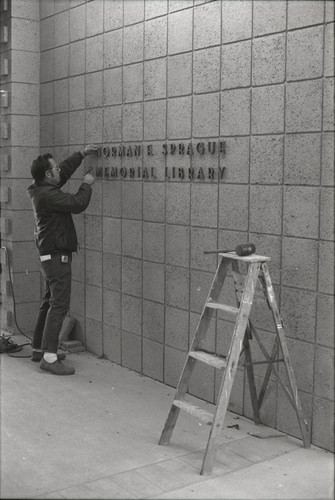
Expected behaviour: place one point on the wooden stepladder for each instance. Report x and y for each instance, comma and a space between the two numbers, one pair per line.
257, 272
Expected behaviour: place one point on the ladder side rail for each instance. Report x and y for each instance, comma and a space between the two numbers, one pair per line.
230, 371
205, 318
289, 368
238, 285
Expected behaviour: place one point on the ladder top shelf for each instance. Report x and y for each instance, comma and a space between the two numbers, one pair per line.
248, 258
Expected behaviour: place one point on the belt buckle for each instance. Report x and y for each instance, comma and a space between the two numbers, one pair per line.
64, 258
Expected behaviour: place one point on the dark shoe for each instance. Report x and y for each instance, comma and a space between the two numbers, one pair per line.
57, 368
38, 355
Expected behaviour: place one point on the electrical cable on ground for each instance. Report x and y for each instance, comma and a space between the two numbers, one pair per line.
5, 342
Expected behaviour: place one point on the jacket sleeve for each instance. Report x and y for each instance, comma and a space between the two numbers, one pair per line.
69, 166
58, 201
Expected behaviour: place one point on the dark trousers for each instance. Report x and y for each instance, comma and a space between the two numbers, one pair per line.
55, 303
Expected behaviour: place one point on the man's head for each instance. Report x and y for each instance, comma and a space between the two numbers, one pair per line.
44, 168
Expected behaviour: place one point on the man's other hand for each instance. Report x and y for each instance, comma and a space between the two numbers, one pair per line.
88, 179
91, 149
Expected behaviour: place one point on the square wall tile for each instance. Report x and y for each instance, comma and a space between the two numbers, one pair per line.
269, 17
132, 83
298, 309
133, 122
93, 337
77, 92
131, 351
207, 25
236, 21
324, 373
327, 214
178, 202
235, 112
47, 66
94, 121
154, 202
201, 282
94, 302
155, 79
153, 359
326, 267
266, 209
132, 238
112, 86
112, 308
78, 23
113, 49
94, 90
111, 344
25, 67
325, 320
177, 287
204, 201
111, 194
303, 106
328, 105
176, 328
206, 70
155, 120
112, 123
236, 65
133, 11
180, 32
328, 50
203, 239
132, 314
94, 18
299, 263
323, 423
268, 59
62, 62
302, 159
46, 98
94, 53
179, 118
233, 207
267, 115
132, 201
177, 245
112, 271
93, 267
61, 95
236, 160
153, 241
153, 281
305, 53
133, 38
266, 159
179, 75
153, 321
113, 17
62, 35
303, 13
206, 111
77, 58
301, 211
132, 276
111, 235
155, 38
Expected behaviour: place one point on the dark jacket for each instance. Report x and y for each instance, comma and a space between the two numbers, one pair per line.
54, 228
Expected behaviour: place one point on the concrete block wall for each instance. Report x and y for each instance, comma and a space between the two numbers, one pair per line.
258, 75
20, 132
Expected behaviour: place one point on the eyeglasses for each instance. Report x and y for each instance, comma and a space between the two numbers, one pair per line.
54, 168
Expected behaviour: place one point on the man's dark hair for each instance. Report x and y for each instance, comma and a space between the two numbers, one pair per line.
40, 166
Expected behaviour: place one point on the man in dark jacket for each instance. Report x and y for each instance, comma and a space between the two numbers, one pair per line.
56, 239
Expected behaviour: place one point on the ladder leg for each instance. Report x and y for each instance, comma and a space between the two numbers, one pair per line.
230, 371
201, 330
289, 368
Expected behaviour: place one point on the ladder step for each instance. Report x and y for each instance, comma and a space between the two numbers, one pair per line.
223, 307
209, 359
196, 411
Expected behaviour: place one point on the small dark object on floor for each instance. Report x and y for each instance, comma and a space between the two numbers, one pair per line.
235, 426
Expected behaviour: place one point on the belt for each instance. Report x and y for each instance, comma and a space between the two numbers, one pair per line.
43, 258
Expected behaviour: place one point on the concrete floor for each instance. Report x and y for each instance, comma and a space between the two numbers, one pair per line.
95, 435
